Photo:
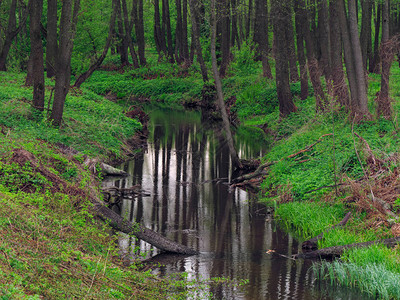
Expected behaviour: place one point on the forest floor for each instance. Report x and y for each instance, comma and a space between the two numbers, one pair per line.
326, 166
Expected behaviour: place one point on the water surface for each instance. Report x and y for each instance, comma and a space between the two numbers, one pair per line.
184, 174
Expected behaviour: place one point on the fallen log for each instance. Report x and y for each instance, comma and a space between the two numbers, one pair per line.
337, 251
311, 244
157, 240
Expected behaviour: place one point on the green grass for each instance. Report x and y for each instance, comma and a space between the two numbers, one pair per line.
91, 124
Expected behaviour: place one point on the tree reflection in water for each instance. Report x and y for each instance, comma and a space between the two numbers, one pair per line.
185, 169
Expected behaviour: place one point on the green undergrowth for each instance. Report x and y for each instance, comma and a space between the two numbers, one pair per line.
51, 246
91, 124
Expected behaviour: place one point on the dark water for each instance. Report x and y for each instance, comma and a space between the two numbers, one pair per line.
184, 174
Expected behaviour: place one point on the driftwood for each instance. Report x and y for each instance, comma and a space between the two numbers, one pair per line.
336, 251
311, 244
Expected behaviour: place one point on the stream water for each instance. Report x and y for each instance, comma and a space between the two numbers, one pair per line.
184, 174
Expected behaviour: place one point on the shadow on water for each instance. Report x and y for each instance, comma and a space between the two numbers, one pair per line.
185, 171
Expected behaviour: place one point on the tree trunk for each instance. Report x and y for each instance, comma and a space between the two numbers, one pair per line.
294, 73
196, 39
261, 35
11, 33
374, 63
137, 18
249, 18
225, 36
69, 19
127, 36
387, 55
300, 53
51, 41
167, 26
36, 8
123, 45
159, 37
365, 37
281, 15
340, 89
83, 77
362, 107
348, 53
324, 39
178, 32
313, 68
220, 96
185, 43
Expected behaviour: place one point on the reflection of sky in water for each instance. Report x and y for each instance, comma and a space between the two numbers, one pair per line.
185, 170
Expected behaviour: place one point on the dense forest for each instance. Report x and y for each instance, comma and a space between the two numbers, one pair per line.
316, 80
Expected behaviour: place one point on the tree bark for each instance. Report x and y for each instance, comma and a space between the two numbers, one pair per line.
313, 67
223, 9
280, 11
340, 89
51, 41
261, 35
196, 39
301, 56
68, 21
36, 8
362, 107
374, 62
387, 55
11, 33
139, 29
220, 96
159, 36
365, 37
127, 36
324, 38
167, 26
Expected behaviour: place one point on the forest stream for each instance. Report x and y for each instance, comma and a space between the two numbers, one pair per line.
184, 175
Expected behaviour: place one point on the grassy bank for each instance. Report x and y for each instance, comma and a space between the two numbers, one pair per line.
301, 185
51, 246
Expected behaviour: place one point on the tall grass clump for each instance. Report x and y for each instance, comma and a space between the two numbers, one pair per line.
371, 278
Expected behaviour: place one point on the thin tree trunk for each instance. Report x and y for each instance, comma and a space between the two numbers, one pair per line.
300, 53
249, 18
220, 97
185, 43
51, 44
324, 39
280, 12
137, 17
36, 8
340, 89
68, 21
196, 39
11, 33
365, 37
261, 35
127, 36
294, 73
362, 108
225, 36
167, 26
123, 45
159, 38
374, 63
387, 55
313, 67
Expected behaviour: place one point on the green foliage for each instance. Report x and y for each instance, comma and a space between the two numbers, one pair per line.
372, 279
243, 60
92, 124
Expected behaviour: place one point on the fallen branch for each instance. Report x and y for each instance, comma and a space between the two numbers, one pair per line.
106, 169
258, 172
336, 251
141, 232
385, 207
308, 148
311, 244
